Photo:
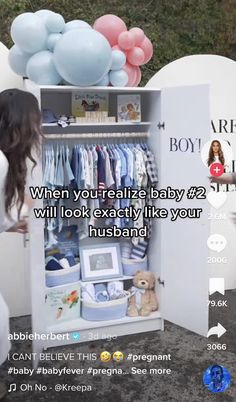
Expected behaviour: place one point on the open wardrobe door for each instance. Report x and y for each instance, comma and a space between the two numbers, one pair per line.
185, 114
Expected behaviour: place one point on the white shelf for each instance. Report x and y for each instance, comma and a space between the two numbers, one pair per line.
70, 88
116, 124
81, 324
120, 278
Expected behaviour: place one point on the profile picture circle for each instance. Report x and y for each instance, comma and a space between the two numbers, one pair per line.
217, 151
216, 378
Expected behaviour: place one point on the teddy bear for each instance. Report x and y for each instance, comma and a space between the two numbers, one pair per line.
143, 299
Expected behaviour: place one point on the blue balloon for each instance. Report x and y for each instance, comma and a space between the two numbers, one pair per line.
41, 69
82, 56
55, 23
52, 40
18, 60
28, 31
118, 78
44, 13
104, 82
118, 60
76, 24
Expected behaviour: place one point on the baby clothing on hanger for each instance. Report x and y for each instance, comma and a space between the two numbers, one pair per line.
101, 167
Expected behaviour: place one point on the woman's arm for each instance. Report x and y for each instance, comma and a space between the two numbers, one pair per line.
5, 221
10, 222
19, 227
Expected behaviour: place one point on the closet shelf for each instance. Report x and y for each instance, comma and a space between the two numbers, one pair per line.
81, 324
120, 278
83, 136
98, 124
72, 88
97, 128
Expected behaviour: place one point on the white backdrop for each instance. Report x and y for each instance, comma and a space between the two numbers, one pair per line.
220, 72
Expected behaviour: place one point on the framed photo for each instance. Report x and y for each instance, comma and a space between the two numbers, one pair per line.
100, 262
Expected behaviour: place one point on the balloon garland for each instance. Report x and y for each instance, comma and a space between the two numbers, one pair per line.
48, 50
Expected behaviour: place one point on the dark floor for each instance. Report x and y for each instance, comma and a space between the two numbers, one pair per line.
189, 359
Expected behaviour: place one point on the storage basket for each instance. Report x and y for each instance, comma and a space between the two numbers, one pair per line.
62, 303
63, 276
131, 266
103, 311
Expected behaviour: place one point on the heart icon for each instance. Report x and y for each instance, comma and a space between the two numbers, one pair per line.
216, 199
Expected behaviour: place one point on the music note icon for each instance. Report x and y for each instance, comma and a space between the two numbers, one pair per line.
12, 388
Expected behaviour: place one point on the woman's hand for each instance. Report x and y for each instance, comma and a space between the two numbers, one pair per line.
19, 227
226, 178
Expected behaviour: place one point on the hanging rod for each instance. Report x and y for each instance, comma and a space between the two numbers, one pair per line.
96, 135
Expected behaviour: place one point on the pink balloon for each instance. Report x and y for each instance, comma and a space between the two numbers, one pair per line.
110, 26
132, 74
138, 78
136, 56
126, 40
147, 47
139, 35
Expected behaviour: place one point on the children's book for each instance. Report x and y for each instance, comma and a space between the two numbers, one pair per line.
88, 102
128, 108
63, 303
67, 240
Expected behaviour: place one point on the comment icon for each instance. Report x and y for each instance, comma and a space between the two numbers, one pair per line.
216, 242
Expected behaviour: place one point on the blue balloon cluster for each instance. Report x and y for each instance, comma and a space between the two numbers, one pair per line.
47, 50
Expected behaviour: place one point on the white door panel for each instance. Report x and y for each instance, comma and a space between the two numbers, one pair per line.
185, 112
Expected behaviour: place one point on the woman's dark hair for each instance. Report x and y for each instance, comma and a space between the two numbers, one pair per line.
211, 155
20, 132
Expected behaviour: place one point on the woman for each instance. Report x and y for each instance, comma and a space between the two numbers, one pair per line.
20, 132
215, 154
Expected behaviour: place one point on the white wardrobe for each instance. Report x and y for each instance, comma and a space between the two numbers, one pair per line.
175, 124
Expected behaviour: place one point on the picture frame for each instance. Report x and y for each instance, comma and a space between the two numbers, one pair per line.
100, 262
